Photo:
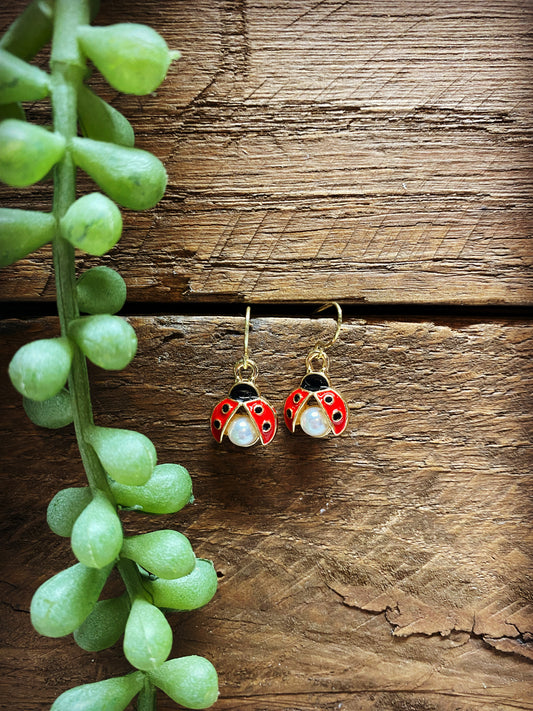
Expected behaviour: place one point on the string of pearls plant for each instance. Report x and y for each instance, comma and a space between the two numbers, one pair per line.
159, 568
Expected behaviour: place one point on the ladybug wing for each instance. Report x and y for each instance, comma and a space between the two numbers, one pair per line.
264, 417
221, 416
335, 408
293, 405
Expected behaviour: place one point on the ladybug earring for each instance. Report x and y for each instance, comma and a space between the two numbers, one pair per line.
315, 406
244, 416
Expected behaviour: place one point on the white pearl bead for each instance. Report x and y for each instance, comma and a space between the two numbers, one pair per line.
314, 422
241, 431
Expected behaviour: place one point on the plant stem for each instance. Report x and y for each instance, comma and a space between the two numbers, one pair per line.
146, 701
67, 66
131, 577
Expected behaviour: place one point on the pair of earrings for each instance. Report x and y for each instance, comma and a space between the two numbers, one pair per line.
246, 417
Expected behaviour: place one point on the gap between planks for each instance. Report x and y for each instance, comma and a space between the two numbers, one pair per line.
444, 313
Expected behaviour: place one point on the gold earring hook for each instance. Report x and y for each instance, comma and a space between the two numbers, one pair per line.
245, 363
321, 345
246, 334
318, 352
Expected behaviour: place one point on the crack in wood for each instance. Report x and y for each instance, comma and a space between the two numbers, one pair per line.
410, 616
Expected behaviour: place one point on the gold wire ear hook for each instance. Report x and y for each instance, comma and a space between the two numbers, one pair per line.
318, 352
245, 363
246, 334
327, 344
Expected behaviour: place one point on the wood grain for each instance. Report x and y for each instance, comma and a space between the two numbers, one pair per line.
367, 152
387, 569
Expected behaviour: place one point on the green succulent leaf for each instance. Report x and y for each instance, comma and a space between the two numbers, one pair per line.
30, 31
96, 537
40, 369
148, 636
12, 111
108, 341
167, 554
107, 695
22, 232
92, 223
20, 81
53, 413
62, 603
168, 490
189, 681
27, 152
65, 507
105, 624
134, 178
133, 58
101, 290
101, 122
128, 457
187, 593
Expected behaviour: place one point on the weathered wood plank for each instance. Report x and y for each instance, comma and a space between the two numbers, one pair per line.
415, 522
368, 152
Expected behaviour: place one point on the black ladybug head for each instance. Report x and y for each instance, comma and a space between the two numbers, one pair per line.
313, 382
244, 392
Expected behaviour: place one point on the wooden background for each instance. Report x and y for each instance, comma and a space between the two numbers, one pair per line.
377, 153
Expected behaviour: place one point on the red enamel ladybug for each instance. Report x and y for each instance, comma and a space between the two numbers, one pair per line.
244, 416
316, 407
